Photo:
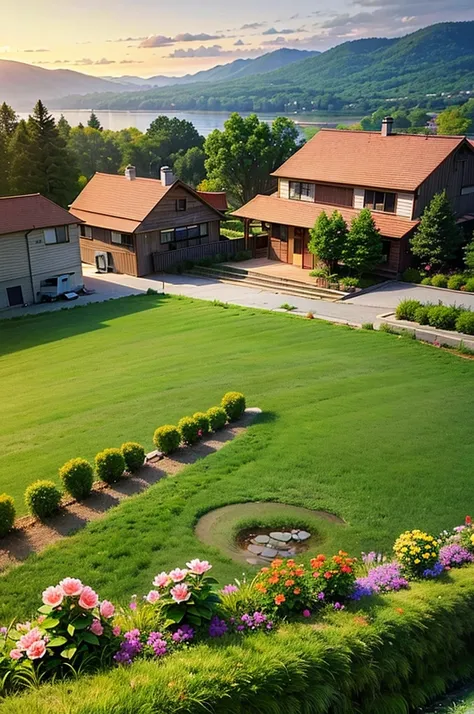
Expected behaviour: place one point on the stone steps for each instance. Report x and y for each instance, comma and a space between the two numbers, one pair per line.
263, 281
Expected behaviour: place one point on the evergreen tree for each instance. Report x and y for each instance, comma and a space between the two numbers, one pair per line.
363, 247
53, 169
94, 122
438, 238
64, 128
4, 166
328, 238
20, 178
8, 121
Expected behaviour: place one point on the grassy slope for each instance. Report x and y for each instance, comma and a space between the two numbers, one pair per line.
362, 424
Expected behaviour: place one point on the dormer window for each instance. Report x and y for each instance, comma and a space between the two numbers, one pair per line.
380, 201
301, 191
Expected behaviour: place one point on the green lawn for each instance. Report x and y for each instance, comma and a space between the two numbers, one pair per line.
374, 428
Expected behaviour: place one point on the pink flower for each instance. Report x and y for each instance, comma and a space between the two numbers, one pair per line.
53, 596
198, 567
107, 610
89, 599
72, 587
37, 650
116, 631
162, 580
96, 628
180, 593
16, 654
153, 596
177, 575
27, 640
306, 613
41, 618
23, 626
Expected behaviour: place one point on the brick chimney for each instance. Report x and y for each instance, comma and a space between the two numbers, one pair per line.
167, 176
130, 173
387, 126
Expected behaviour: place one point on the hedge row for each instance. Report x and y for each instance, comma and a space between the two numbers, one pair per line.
443, 317
189, 430
391, 657
456, 281
43, 497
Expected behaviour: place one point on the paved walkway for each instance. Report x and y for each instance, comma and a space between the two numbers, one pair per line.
388, 295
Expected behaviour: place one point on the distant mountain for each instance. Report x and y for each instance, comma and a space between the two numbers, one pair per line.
436, 59
22, 84
239, 68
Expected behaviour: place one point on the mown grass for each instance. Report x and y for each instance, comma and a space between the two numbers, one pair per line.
368, 426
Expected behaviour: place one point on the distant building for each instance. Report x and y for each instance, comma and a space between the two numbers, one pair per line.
39, 250
394, 175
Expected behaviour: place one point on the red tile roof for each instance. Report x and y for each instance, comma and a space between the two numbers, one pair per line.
272, 209
367, 159
217, 199
19, 214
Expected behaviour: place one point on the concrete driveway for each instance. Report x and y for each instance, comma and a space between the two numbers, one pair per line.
388, 295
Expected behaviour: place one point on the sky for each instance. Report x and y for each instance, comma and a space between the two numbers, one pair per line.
148, 37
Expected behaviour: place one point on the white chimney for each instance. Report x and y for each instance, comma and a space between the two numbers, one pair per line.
167, 177
130, 173
387, 126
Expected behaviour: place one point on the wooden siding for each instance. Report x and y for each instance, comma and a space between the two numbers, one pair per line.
149, 243
165, 215
13, 257
456, 172
284, 188
359, 194
278, 250
124, 258
334, 195
163, 261
404, 205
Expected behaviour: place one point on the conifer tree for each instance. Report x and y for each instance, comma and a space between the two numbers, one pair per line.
53, 168
20, 178
64, 128
363, 247
438, 238
8, 121
4, 166
94, 122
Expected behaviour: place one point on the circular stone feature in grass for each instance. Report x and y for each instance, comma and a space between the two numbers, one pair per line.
255, 533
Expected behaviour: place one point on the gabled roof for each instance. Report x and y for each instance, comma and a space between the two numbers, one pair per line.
272, 209
19, 214
363, 158
217, 199
114, 202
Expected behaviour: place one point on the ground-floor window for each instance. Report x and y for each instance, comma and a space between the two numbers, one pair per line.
15, 295
186, 236
124, 239
386, 245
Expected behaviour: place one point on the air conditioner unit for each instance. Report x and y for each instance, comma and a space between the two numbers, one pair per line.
101, 262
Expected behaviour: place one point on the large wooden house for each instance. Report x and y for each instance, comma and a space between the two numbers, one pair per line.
395, 175
127, 220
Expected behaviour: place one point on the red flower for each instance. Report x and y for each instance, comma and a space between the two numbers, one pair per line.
328, 575
468, 521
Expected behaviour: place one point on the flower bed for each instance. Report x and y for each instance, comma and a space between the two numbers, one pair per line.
441, 317
75, 631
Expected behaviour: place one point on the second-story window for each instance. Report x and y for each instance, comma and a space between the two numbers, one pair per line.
60, 234
181, 204
124, 239
301, 191
380, 201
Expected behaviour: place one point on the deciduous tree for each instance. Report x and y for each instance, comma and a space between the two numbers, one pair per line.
190, 166
452, 121
363, 247
328, 238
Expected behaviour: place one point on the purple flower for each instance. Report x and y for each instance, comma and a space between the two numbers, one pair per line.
157, 643
130, 647
217, 627
433, 572
382, 579
253, 622
321, 596
3, 631
183, 634
306, 613
454, 556
229, 589
338, 606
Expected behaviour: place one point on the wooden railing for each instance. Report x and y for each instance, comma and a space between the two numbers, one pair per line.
164, 260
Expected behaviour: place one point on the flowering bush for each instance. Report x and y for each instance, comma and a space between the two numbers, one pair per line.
167, 439
189, 429
203, 422
454, 556
110, 465
333, 578
416, 552
217, 418
151, 644
381, 579
466, 534
133, 454
234, 405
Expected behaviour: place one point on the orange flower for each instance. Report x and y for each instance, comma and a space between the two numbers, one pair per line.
279, 599
282, 571
265, 570
261, 587
399, 610
290, 563
273, 579
299, 572
316, 574
277, 562
317, 562
328, 575
360, 620
343, 553
346, 569
296, 591
289, 583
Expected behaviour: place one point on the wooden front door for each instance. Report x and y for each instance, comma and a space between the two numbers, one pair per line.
298, 252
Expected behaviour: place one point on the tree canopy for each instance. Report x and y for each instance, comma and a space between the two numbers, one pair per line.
438, 238
328, 238
363, 247
452, 121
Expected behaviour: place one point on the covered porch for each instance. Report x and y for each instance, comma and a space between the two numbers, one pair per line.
276, 269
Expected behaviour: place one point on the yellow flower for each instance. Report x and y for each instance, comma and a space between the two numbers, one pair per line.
417, 561
426, 556
434, 555
427, 547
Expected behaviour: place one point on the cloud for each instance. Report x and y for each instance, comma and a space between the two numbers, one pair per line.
253, 25
273, 31
214, 51
156, 41
203, 37
125, 39
239, 43
39, 50
131, 61
276, 41
87, 62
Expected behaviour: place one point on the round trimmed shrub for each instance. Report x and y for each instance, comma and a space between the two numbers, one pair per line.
456, 282
234, 405
7, 514
439, 281
426, 281
422, 315
465, 322
203, 422
443, 317
217, 418
42, 499
406, 310
411, 275
133, 454
167, 439
469, 286
110, 465
189, 429
77, 476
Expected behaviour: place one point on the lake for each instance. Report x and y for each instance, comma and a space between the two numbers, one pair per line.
205, 122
